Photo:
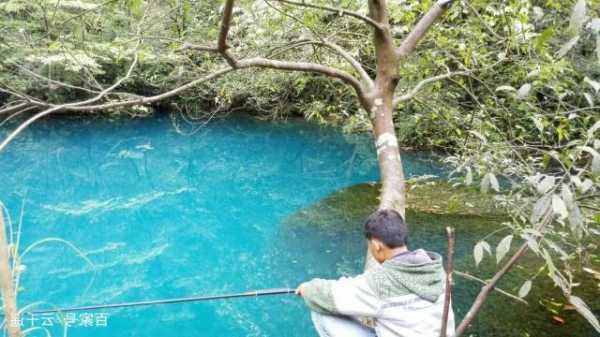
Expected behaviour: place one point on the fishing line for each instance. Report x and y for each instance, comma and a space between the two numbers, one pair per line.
255, 293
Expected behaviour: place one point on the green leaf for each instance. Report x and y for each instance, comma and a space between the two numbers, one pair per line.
593, 129
545, 184
595, 167
524, 91
567, 196
503, 248
559, 207
593, 84
479, 249
525, 289
136, 7
478, 135
544, 37
598, 47
578, 16
538, 123
494, 182
576, 218
541, 207
505, 88
478, 253
549, 263
469, 177
532, 243
585, 311
485, 183
567, 47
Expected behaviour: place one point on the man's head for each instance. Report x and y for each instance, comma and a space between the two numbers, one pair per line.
386, 233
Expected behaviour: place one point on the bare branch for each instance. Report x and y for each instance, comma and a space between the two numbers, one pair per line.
410, 42
22, 96
7, 119
260, 62
305, 67
12, 107
151, 99
338, 50
353, 62
339, 11
448, 288
414, 91
222, 46
503, 292
55, 82
222, 49
55, 108
243, 64
487, 289
191, 46
482, 20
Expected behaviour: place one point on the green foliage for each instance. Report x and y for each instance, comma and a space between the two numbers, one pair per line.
523, 127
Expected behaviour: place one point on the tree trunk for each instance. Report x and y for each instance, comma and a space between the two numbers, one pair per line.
381, 109
6, 286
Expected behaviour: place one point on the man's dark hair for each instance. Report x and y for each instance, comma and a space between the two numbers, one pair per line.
387, 226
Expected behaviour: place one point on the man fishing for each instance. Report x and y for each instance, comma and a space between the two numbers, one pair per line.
401, 296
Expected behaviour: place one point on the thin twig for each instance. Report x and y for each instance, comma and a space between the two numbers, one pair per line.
503, 292
339, 11
448, 289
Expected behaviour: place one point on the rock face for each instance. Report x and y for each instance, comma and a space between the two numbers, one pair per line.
328, 237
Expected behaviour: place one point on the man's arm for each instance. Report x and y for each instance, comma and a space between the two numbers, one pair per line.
346, 296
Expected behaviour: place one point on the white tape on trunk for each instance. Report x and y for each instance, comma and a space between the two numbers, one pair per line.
386, 140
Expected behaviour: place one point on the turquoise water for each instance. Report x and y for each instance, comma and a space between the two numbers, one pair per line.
160, 214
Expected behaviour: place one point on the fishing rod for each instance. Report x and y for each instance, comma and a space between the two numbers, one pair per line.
255, 293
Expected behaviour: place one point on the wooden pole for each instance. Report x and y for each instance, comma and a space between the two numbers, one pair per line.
11, 314
449, 271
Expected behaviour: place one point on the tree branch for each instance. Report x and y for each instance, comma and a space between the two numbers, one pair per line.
222, 49
415, 90
55, 108
55, 82
338, 50
410, 42
13, 107
503, 292
339, 11
487, 289
448, 288
257, 62
353, 62
260, 62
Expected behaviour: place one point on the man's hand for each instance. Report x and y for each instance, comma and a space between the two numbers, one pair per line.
299, 290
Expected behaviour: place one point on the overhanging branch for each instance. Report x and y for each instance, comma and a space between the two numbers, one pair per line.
415, 90
410, 42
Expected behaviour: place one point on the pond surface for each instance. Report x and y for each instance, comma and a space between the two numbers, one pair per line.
239, 205
160, 214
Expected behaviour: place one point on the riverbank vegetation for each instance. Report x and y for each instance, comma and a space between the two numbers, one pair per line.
509, 91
